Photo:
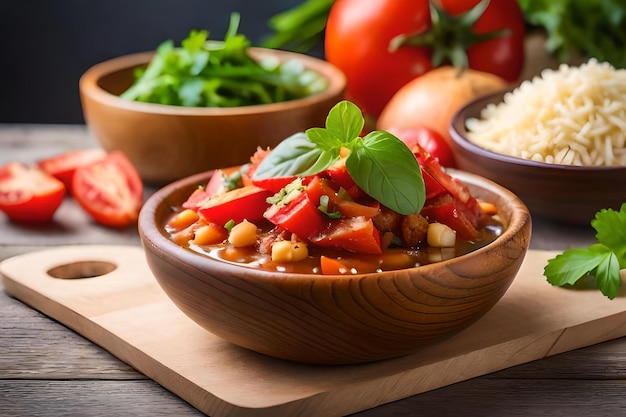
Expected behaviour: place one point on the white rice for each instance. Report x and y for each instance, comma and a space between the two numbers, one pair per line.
570, 116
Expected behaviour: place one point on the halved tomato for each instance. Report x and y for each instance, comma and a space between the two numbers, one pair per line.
110, 190
64, 165
29, 194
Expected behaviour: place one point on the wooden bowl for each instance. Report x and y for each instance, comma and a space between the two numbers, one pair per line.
335, 319
561, 193
166, 143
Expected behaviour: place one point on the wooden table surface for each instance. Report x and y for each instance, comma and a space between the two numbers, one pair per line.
48, 370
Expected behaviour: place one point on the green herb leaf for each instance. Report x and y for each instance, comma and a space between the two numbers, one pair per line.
209, 73
610, 226
296, 155
381, 164
386, 169
602, 260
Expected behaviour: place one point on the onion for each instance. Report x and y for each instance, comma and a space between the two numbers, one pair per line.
431, 99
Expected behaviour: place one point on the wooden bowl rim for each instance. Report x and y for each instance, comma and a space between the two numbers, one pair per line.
155, 241
458, 133
89, 86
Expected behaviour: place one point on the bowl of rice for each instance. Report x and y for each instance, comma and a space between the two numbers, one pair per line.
558, 141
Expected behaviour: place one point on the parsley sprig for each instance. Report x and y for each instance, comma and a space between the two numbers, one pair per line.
602, 260
380, 163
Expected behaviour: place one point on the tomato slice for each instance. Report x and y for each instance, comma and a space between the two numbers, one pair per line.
444, 209
64, 165
110, 190
29, 194
354, 234
319, 187
248, 202
299, 216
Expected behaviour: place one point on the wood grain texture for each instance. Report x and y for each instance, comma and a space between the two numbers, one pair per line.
532, 321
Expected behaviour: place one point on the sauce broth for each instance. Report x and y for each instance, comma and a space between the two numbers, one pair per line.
391, 259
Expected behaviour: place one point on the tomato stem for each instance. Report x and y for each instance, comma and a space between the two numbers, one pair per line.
449, 36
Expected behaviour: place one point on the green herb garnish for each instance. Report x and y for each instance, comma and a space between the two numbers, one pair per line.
204, 73
380, 163
602, 260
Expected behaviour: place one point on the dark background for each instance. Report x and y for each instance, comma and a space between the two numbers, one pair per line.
45, 45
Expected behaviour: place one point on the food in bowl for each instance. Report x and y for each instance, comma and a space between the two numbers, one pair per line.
208, 73
569, 116
341, 317
311, 205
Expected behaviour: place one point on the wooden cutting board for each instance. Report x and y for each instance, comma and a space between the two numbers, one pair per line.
126, 312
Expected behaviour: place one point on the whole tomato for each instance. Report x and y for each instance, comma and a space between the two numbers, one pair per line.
429, 139
383, 44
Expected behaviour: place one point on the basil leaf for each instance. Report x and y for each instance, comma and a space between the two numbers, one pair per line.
323, 139
345, 121
296, 155
386, 169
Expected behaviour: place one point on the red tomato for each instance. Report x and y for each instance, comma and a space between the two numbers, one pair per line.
299, 216
357, 41
319, 187
354, 234
430, 140
110, 190
248, 202
64, 165
28, 194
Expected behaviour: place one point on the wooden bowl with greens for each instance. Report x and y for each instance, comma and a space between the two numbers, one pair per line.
207, 104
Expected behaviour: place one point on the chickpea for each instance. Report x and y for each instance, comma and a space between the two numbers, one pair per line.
210, 234
183, 219
440, 236
289, 251
243, 234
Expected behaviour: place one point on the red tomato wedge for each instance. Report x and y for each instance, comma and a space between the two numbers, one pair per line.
246, 203
354, 234
64, 165
319, 187
299, 216
28, 194
110, 190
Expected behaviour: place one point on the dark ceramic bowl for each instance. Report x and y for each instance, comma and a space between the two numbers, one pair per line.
561, 193
335, 319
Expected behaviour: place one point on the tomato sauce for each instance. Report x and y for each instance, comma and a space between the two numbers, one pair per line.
391, 258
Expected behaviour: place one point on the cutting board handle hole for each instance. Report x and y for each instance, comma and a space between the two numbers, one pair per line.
82, 269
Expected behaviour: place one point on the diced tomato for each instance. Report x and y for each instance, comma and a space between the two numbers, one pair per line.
110, 190
64, 165
433, 187
299, 216
461, 194
255, 161
332, 266
354, 234
444, 209
29, 194
195, 199
319, 187
274, 184
248, 202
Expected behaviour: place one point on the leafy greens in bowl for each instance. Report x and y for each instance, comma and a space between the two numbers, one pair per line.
209, 73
